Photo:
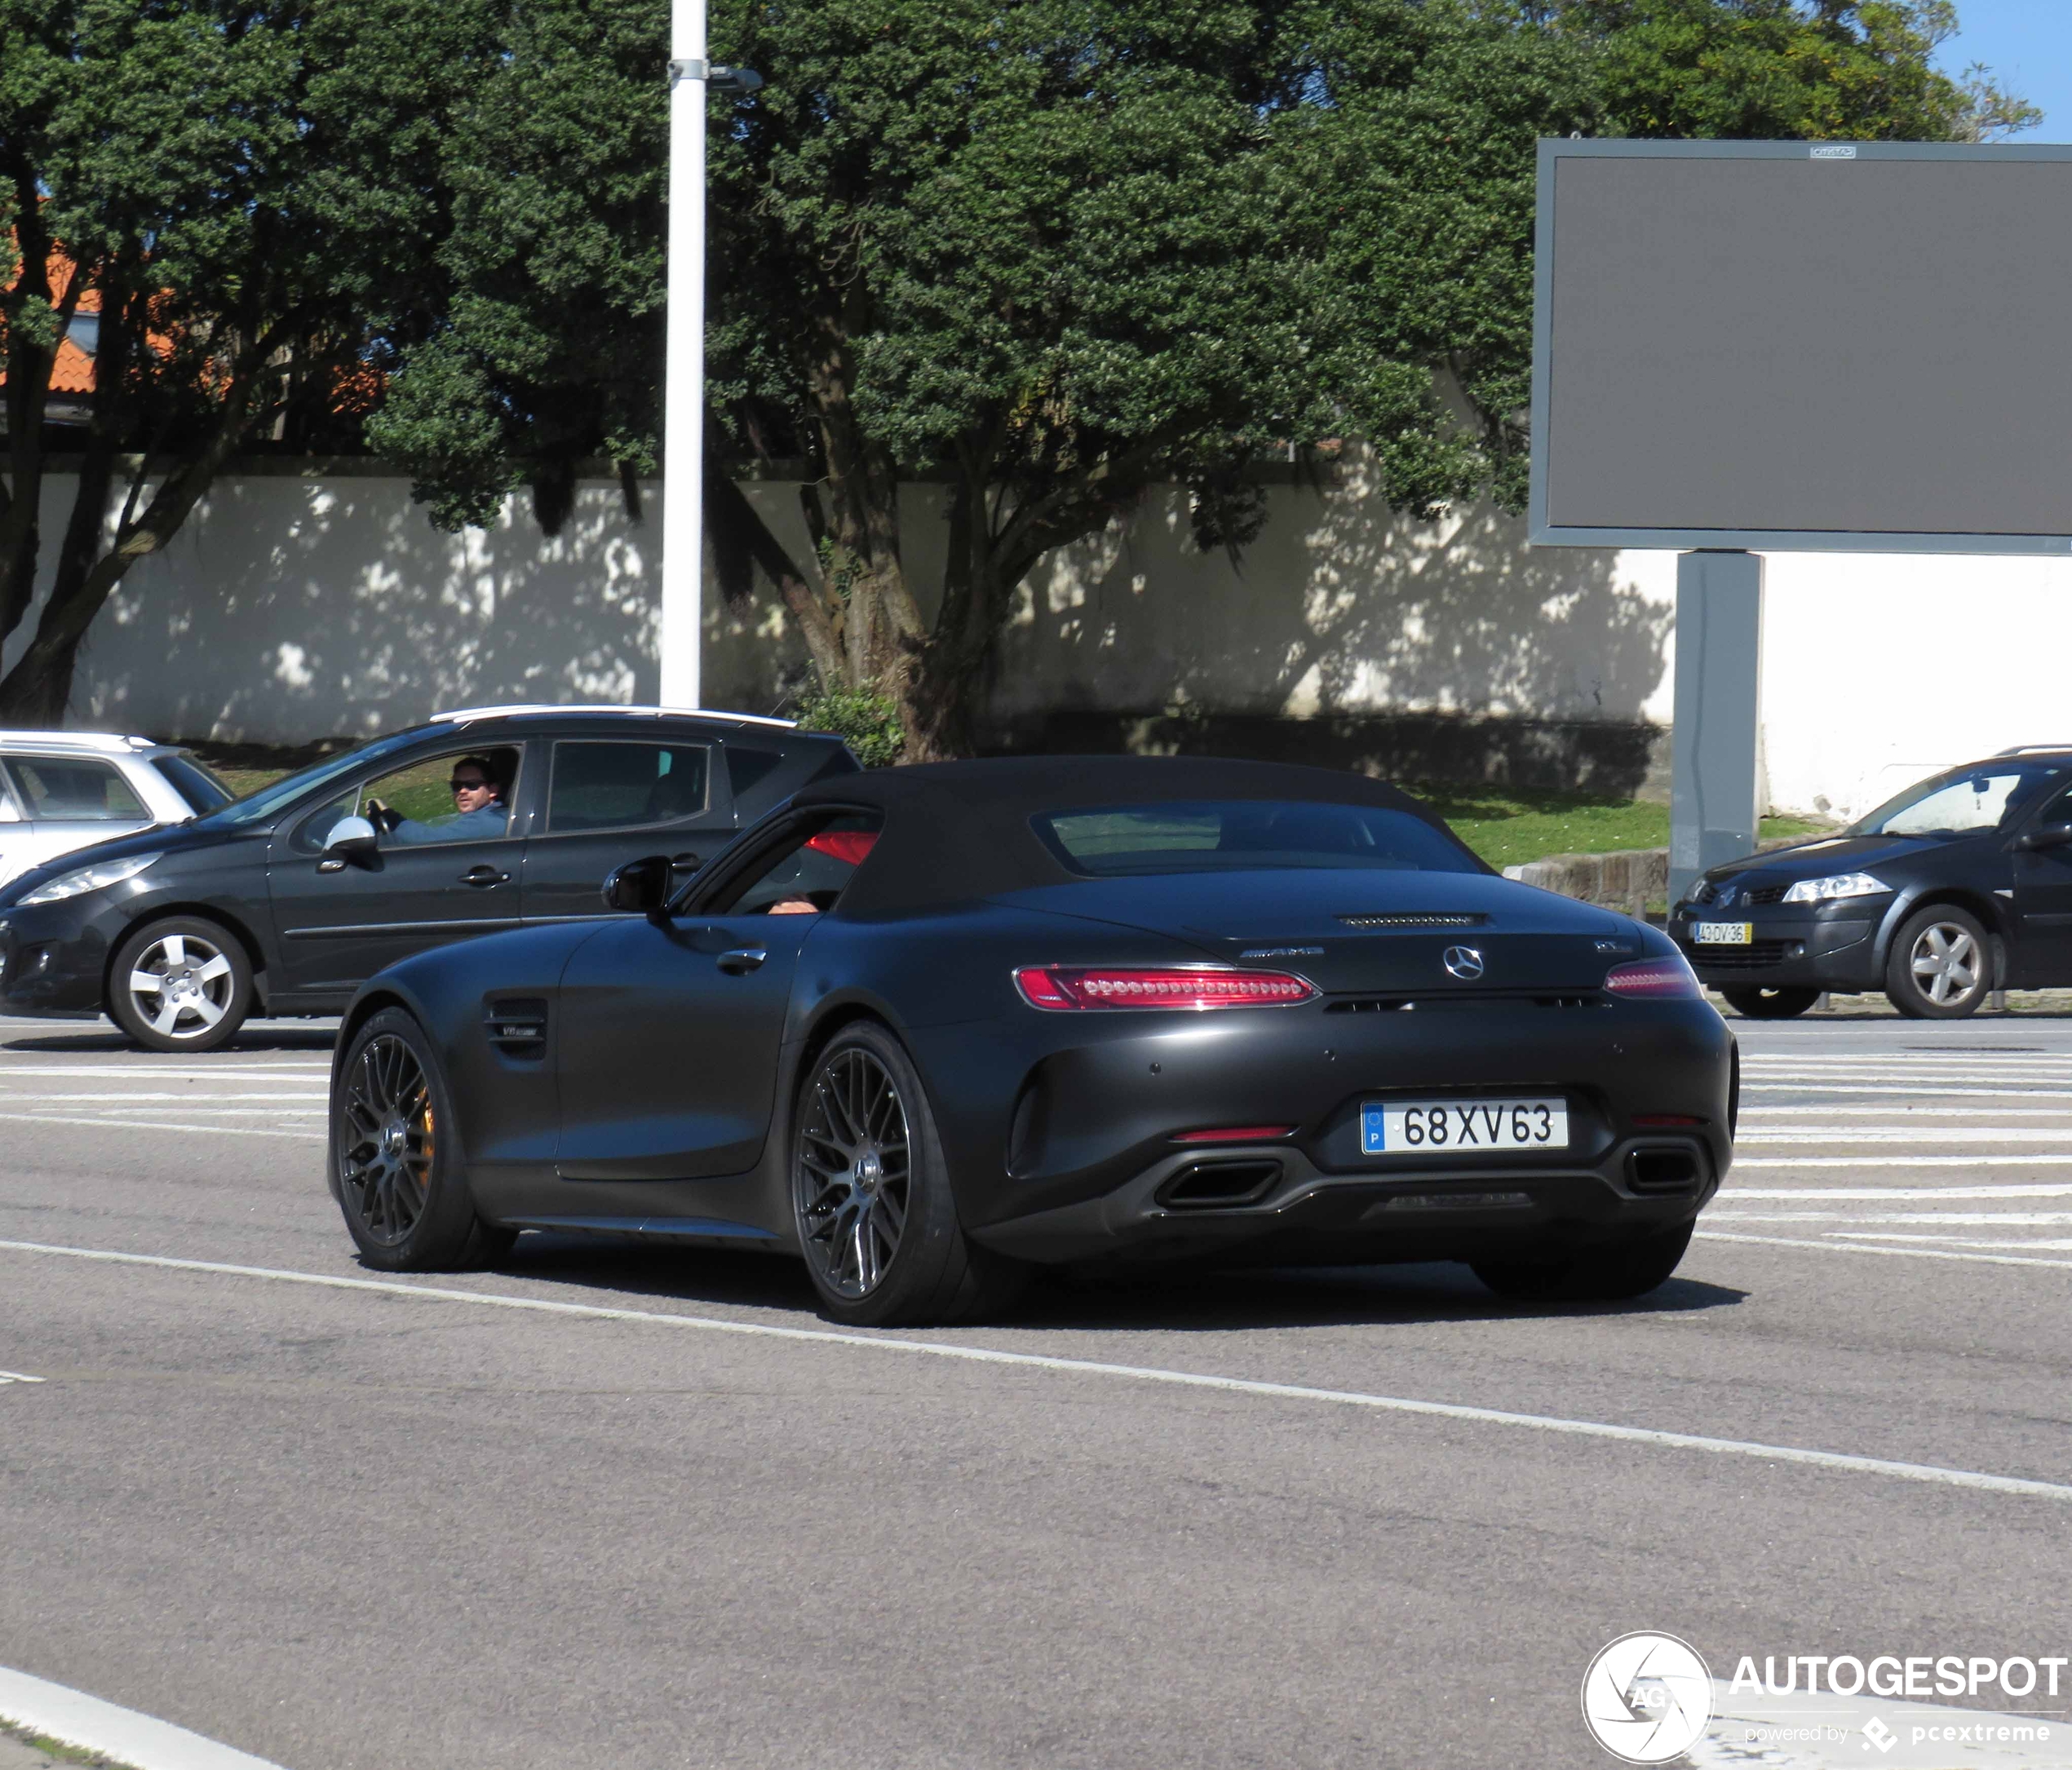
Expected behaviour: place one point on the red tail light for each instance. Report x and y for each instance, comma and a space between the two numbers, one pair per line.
1180, 986
1235, 1134
1655, 979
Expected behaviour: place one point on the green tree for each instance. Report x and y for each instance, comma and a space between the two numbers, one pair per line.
1795, 69
1051, 254
247, 190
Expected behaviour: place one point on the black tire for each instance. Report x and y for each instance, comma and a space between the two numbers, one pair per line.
201, 989
870, 1194
1613, 1274
1759, 1004
394, 1156
1941, 948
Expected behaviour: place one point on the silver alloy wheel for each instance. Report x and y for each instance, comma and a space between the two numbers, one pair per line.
1945, 963
181, 985
853, 1176
386, 1147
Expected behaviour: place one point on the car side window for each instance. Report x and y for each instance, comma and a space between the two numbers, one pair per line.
462, 796
9, 813
807, 875
75, 789
598, 784
425, 802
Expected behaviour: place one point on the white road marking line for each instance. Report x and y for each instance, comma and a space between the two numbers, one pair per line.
1733, 1194
143, 1064
1902, 1161
1751, 1086
1918, 1064
36, 1705
191, 1098
128, 1115
1980, 1134
2010, 1219
1821, 1246
144, 1124
18, 1376
2034, 1245
986, 1355
1969, 1115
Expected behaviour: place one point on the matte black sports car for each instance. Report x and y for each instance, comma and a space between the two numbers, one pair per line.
1960, 885
931, 1027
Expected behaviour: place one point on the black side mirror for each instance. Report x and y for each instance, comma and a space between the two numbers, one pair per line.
353, 839
638, 888
2046, 836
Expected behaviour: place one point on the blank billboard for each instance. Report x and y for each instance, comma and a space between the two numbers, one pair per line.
1804, 345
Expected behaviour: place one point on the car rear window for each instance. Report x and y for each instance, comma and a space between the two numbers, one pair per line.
1236, 835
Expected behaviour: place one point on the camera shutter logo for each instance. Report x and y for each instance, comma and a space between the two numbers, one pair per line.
1647, 1698
1465, 963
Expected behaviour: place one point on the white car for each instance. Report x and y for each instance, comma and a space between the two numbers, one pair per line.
62, 790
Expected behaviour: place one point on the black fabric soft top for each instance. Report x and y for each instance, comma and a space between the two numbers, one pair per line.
957, 830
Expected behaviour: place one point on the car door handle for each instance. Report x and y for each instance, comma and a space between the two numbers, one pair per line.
482, 877
742, 958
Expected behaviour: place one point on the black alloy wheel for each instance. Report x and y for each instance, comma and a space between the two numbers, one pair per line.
1614, 1274
871, 1194
856, 1172
180, 984
393, 1168
1760, 1004
1941, 966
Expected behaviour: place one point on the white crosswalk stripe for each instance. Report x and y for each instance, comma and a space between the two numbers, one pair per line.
244, 1096
1819, 1128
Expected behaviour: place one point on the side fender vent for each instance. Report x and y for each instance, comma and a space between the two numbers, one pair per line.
517, 1025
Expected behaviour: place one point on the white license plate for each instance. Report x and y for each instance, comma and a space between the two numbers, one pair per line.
1421, 1127
1724, 933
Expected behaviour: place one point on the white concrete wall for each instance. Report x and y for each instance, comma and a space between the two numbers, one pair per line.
291, 608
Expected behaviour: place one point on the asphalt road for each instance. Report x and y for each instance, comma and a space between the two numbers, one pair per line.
348, 1525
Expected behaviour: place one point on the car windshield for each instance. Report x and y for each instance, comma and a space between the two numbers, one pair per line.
1235, 835
258, 807
195, 781
1992, 796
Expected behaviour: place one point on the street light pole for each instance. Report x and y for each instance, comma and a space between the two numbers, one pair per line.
680, 640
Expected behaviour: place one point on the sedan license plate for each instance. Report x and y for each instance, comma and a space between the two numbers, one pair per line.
1724, 933
1419, 1128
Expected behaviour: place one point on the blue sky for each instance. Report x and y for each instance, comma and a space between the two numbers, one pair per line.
2028, 45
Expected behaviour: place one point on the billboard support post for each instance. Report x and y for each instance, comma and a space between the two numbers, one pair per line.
1712, 767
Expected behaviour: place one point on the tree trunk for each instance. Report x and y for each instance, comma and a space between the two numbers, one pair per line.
941, 698
39, 686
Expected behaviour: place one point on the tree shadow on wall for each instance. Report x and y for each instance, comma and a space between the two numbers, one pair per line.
289, 608
1346, 636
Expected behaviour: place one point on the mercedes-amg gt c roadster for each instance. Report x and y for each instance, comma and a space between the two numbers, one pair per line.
934, 1027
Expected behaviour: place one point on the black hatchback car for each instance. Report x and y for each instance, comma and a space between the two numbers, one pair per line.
286, 901
1959, 886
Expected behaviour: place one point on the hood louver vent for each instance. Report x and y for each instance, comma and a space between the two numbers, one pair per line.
1432, 918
